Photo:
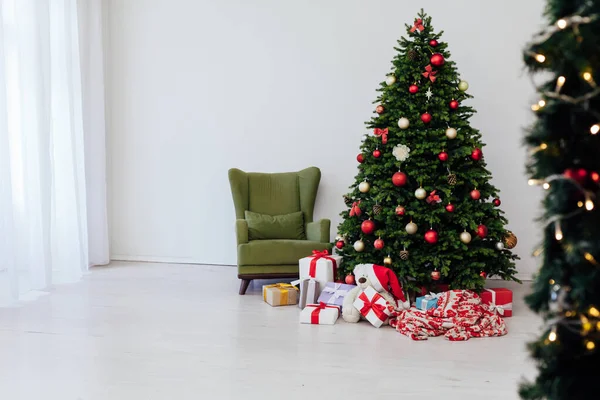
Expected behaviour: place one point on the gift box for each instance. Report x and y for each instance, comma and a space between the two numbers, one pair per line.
319, 314
321, 266
280, 294
308, 292
373, 307
428, 301
500, 300
334, 293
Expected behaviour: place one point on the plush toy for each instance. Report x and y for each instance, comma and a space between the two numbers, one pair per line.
383, 280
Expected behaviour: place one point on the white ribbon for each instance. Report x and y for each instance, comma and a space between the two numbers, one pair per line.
427, 297
336, 292
499, 309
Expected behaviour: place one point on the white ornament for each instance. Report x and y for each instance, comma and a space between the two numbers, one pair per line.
451, 133
465, 237
403, 123
390, 80
463, 86
401, 152
411, 228
429, 94
500, 246
420, 193
359, 246
364, 187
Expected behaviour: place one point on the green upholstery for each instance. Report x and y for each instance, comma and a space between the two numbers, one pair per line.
276, 194
286, 226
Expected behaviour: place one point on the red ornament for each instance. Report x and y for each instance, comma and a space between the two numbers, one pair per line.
378, 244
483, 274
437, 60
379, 109
475, 195
431, 236
339, 244
412, 89
426, 118
377, 153
360, 158
435, 275
497, 202
399, 179
595, 177
400, 210
482, 231
443, 156
433, 43
579, 175
453, 104
450, 208
477, 154
367, 227
349, 279
433, 198
383, 133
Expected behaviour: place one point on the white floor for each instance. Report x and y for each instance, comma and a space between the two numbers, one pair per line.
175, 332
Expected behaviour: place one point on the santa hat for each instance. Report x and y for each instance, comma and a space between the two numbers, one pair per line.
383, 278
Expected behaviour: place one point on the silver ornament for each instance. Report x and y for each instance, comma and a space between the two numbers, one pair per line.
465, 237
420, 193
500, 246
411, 228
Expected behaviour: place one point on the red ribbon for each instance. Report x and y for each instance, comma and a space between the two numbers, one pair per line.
355, 210
430, 73
318, 255
418, 25
433, 198
314, 316
369, 305
383, 133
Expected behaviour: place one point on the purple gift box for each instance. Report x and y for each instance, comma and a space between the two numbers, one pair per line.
334, 293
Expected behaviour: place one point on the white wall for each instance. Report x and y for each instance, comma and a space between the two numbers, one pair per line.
199, 86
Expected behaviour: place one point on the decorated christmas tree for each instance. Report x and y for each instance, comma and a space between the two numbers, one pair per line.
422, 202
564, 160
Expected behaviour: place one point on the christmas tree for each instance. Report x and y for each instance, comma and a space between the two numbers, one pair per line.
564, 160
422, 202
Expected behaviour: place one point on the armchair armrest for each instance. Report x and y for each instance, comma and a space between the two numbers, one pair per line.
318, 231
241, 231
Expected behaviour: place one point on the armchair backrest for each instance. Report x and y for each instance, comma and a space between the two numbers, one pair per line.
275, 194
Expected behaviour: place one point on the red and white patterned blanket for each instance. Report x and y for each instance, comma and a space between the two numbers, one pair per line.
460, 315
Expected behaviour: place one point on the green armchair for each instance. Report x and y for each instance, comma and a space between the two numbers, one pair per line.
275, 195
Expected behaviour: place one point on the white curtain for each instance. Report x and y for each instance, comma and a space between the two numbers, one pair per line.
44, 124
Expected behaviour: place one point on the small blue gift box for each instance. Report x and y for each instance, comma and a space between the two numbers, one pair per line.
428, 301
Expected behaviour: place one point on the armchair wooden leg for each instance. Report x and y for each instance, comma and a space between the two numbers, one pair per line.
244, 286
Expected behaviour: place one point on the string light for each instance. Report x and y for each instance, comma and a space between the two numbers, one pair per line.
590, 258
535, 107
533, 182
540, 58
589, 204
552, 281
542, 103
552, 336
595, 129
542, 146
558, 233
587, 76
580, 204
593, 311
546, 185
560, 82
586, 325
590, 345
562, 23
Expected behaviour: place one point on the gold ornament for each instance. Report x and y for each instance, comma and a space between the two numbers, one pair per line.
452, 179
377, 209
387, 260
404, 255
510, 240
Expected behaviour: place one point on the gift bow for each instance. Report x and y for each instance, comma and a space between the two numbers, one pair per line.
418, 25
355, 210
383, 133
433, 198
317, 255
335, 291
430, 73
284, 289
314, 315
372, 305
499, 309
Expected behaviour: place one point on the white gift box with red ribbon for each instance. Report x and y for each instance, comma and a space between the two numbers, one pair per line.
320, 266
500, 301
319, 314
373, 307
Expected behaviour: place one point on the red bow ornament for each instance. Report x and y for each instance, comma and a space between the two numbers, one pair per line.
418, 25
383, 133
355, 211
430, 73
433, 198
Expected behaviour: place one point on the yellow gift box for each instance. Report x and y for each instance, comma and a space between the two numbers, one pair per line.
280, 294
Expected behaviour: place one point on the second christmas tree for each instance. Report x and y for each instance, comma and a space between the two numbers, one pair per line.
422, 202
